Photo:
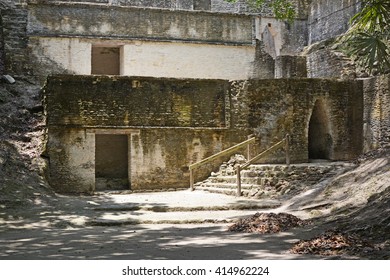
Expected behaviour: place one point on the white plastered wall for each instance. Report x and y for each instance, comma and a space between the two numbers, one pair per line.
153, 59
185, 60
71, 54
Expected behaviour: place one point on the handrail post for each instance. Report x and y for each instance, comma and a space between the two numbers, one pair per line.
248, 151
191, 179
288, 149
195, 165
238, 180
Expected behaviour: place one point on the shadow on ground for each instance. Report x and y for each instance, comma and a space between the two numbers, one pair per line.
148, 242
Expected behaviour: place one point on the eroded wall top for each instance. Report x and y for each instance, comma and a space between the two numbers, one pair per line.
135, 23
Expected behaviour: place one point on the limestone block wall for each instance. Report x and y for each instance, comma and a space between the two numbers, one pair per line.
135, 23
72, 160
152, 42
290, 67
241, 6
61, 55
184, 60
46, 37
150, 59
14, 37
159, 42
160, 156
323, 61
376, 112
273, 108
171, 123
2, 54
103, 101
328, 19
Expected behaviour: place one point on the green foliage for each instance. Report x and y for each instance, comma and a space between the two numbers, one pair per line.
282, 9
367, 40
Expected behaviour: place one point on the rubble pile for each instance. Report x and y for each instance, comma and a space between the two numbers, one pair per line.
333, 243
267, 223
229, 168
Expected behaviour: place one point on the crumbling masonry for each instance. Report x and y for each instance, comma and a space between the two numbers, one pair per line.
138, 90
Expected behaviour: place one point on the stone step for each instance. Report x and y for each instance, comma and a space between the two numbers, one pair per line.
229, 185
227, 191
270, 180
121, 219
233, 180
252, 193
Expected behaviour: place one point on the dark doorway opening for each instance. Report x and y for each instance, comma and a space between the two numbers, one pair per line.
320, 140
105, 60
111, 162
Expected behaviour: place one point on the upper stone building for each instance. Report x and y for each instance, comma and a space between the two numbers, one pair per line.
210, 39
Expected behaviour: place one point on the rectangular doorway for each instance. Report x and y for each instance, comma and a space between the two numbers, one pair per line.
111, 162
105, 60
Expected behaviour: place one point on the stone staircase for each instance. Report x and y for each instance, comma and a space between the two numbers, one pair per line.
270, 180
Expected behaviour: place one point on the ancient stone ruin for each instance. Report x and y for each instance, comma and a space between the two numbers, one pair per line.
136, 91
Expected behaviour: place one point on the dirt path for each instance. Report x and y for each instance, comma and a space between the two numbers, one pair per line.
206, 241
177, 225
63, 231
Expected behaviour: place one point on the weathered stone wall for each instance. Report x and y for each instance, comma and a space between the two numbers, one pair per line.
290, 67
324, 61
273, 108
172, 123
160, 42
14, 24
328, 19
241, 6
103, 101
72, 160
279, 37
160, 156
111, 22
2, 54
152, 42
376, 112
154, 59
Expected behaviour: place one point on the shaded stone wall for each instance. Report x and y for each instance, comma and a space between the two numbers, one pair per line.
290, 67
2, 54
328, 19
323, 61
273, 108
376, 112
14, 24
172, 123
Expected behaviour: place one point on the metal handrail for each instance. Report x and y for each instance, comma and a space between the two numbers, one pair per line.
193, 166
285, 141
